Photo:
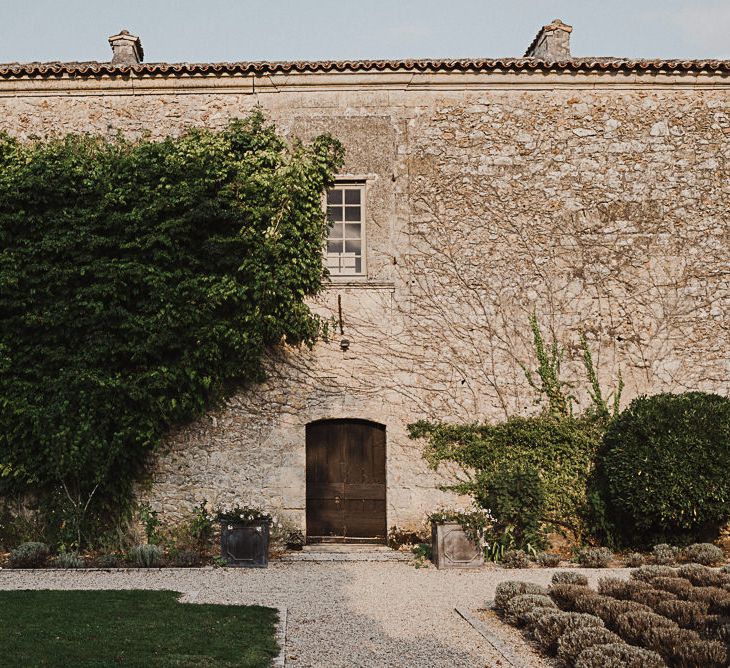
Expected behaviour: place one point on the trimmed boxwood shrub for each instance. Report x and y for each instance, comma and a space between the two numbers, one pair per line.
565, 595
574, 641
648, 573
520, 605
618, 655
508, 589
702, 576
622, 589
549, 628
631, 625
663, 467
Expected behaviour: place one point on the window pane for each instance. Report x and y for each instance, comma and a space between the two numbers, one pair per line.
358, 266
334, 197
352, 213
353, 246
336, 231
352, 230
334, 213
352, 196
334, 246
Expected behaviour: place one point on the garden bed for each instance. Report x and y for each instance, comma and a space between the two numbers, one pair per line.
132, 628
661, 616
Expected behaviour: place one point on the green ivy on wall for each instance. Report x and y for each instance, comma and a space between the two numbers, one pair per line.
140, 282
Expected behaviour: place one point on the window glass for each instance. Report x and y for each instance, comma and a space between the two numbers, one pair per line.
345, 247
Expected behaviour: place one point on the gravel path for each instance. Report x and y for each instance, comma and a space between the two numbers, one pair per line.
342, 614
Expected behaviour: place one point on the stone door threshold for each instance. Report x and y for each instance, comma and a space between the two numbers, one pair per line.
345, 552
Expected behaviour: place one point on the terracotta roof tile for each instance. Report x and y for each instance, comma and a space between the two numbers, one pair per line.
595, 65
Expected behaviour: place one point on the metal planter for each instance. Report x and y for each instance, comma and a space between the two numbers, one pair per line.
245, 544
452, 548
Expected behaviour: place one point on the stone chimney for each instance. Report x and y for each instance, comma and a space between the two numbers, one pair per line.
126, 49
551, 43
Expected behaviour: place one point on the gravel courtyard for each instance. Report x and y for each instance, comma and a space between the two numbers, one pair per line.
368, 614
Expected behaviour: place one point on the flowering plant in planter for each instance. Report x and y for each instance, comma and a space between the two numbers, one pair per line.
474, 520
244, 513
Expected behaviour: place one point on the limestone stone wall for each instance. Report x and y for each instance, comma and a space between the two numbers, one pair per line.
600, 203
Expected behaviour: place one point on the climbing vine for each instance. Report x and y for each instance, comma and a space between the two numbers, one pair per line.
139, 283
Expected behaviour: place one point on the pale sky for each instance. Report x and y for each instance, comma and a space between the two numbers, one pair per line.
219, 30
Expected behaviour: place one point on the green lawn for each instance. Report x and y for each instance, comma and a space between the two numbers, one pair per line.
130, 628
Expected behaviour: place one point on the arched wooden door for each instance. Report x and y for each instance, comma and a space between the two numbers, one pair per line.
346, 481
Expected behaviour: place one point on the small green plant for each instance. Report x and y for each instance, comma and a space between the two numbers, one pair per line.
423, 554
515, 559
634, 560
109, 560
29, 555
547, 559
201, 524
706, 554
664, 555
187, 559
595, 557
69, 560
150, 522
146, 556
220, 562
569, 577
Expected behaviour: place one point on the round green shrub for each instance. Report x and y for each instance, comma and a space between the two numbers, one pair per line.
706, 554
595, 557
618, 655
29, 555
569, 577
508, 589
663, 467
515, 559
575, 640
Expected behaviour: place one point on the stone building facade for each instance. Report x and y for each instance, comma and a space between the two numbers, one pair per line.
594, 191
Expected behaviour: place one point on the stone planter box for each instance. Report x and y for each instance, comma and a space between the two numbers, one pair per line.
245, 544
452, 548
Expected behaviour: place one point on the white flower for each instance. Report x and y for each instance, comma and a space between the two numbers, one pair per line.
230, 527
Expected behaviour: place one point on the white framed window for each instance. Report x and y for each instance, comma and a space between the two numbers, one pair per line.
345, 253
